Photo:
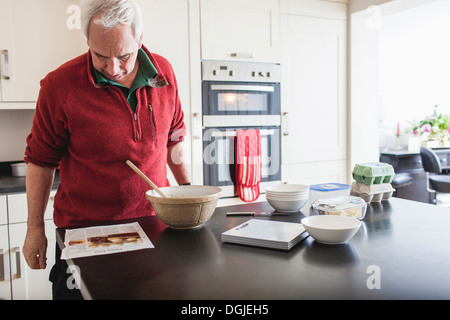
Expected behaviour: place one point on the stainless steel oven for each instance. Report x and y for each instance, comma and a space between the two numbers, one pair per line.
239, 95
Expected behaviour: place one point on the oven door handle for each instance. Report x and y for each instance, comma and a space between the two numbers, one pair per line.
241, 87
232, 133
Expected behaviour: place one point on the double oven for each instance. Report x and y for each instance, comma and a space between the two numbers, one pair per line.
239, 95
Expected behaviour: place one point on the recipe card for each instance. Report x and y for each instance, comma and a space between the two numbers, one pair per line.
92, 241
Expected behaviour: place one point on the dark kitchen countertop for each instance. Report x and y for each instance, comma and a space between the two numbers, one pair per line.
11, 184
406, 241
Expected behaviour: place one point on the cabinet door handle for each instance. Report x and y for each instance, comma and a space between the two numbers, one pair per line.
5, 65
195, 122
2, 265
18, 274
242, 55
286, 124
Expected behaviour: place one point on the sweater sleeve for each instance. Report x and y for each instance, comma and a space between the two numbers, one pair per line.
47, 141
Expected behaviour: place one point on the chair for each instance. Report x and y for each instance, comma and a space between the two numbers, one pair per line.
401, 180
436, 181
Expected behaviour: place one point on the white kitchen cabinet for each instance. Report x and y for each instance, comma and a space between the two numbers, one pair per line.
5, 279
40, 35
313, 91
36, 36
3, 212
166, 32
172, 29
20, 282
241, 30
18, 210
29, 284
5, 283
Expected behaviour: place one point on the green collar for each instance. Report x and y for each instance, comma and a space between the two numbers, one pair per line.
145, 73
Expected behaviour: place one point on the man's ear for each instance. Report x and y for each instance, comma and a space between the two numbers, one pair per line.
140, 42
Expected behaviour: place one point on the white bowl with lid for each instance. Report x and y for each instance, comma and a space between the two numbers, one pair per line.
328, 190
349, 206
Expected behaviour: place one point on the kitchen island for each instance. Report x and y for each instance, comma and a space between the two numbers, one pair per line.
401, 252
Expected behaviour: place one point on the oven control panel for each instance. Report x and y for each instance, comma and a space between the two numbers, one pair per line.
213, 70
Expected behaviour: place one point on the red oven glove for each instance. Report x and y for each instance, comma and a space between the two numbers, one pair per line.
248, 164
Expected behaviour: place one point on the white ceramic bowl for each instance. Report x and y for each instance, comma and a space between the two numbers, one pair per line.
296, 197
287, 189
287, 197
287, 205
288, 192
331, 229
186, 207
19, 169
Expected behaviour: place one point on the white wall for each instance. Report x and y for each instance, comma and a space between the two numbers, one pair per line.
364, 92
414, 49
360, 5
399, 70
14, 129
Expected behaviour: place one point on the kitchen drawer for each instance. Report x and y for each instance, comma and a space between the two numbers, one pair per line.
410, 163
5, 281
3, 212
404, 162
17, 207
444, 156
18, 210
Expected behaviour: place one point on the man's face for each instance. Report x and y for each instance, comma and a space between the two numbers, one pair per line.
114, 52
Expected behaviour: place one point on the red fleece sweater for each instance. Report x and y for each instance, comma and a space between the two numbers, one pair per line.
90, 131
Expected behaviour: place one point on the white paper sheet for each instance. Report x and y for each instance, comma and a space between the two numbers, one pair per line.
92, 241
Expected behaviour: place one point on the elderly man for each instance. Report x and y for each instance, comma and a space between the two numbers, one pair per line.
116, 102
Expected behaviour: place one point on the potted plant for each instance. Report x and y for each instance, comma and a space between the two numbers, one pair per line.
434, 129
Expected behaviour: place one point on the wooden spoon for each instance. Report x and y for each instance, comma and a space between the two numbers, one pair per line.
143, 176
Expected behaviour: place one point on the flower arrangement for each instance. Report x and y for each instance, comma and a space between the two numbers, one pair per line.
435, 126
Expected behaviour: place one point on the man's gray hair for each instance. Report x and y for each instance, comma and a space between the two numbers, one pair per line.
112, 13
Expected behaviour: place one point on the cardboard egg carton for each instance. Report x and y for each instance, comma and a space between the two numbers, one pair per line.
372, 193
373, 173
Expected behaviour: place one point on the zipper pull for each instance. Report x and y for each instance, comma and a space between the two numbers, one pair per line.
152, 121
136, 126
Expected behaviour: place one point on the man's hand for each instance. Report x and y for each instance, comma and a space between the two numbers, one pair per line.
39, 183
35, 248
